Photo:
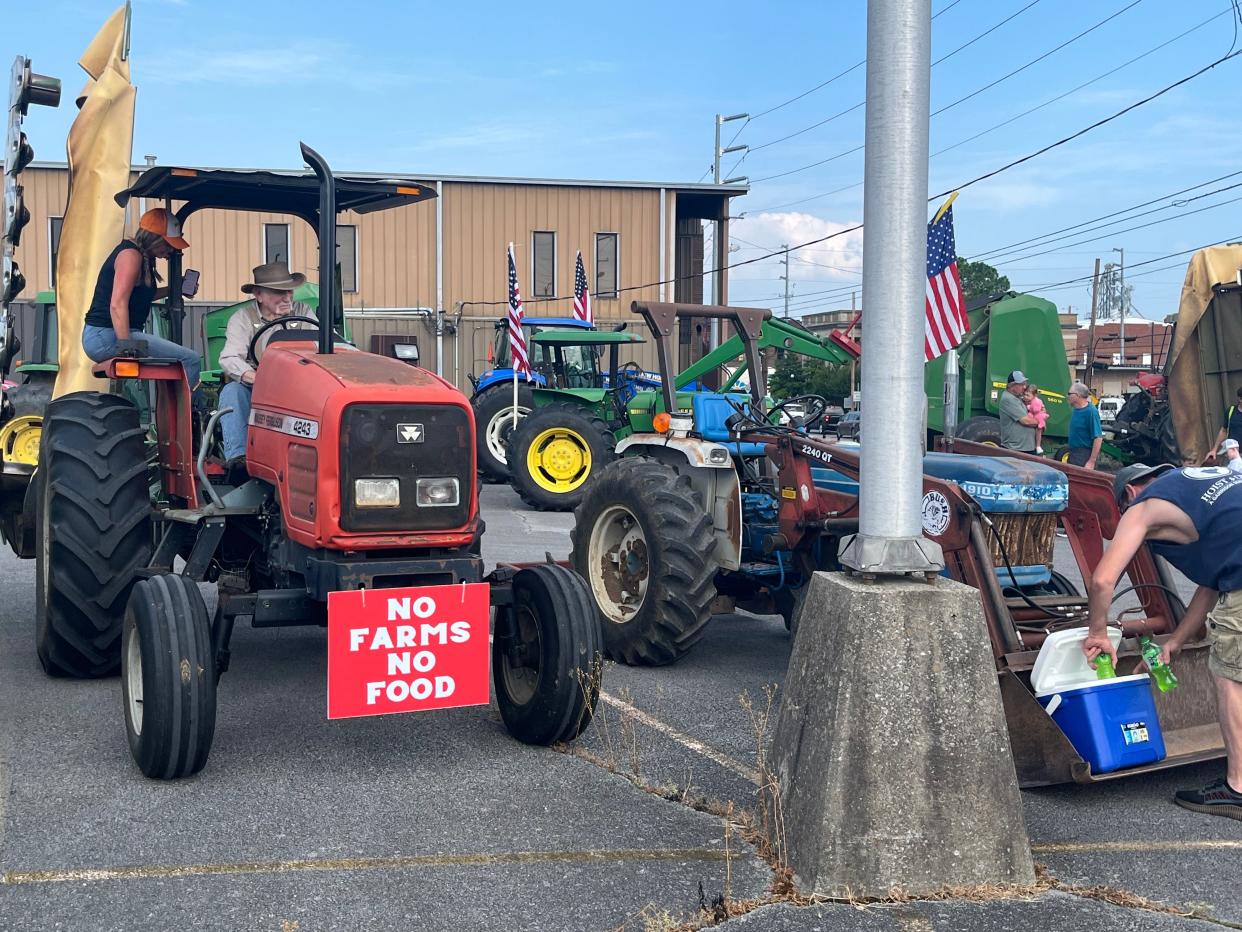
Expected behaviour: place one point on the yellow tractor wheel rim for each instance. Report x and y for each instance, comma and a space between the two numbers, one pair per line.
19, 440
559, 460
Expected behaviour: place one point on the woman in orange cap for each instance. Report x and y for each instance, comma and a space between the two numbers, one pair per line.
126, 287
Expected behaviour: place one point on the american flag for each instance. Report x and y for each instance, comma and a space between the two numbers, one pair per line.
517, 339
946, 321
582, 295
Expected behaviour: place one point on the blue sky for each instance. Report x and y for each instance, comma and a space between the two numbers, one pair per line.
629, 92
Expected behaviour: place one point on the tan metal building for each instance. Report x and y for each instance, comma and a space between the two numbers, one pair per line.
639, 241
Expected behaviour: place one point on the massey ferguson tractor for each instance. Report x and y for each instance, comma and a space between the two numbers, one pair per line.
361, 486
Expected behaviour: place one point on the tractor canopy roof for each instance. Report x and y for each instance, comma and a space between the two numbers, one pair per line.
585, 337
294, 193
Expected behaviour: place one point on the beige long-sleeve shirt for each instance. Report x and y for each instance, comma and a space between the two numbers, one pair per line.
241, 329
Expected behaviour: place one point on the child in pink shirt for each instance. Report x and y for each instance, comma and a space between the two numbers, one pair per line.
1035, 407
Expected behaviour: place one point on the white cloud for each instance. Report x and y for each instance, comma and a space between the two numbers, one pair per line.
837, 260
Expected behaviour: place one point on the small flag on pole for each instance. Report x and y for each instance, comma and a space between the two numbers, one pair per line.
517, 339
582, 294
947, 321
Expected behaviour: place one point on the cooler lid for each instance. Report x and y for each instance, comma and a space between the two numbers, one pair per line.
1061, 663
1095, 684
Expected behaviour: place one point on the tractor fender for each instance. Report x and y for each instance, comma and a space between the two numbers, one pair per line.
716, 485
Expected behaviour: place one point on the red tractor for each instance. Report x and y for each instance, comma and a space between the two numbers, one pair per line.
362, 476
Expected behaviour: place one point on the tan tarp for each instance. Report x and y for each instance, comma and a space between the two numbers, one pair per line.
1195, 426
100, 148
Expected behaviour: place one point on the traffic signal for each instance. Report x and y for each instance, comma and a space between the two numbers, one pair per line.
25, 88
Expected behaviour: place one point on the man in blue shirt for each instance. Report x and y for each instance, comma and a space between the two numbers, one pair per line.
1085, 433
1191, 518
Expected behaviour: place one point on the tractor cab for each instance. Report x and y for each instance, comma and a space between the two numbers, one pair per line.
361, 480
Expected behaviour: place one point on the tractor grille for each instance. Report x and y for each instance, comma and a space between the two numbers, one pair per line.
406, 442
1028, 538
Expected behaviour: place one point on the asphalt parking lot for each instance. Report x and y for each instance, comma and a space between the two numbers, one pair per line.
441, 821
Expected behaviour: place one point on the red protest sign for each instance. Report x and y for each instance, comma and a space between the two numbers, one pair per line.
406, 650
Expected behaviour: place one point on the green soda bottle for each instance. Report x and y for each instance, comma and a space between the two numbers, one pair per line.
1104, 669
1162, 673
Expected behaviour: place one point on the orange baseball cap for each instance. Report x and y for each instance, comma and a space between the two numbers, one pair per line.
159, 220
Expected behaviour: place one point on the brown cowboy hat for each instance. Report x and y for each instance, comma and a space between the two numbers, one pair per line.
274, 275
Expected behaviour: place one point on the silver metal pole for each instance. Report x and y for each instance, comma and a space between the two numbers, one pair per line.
785, 246
894, 284
951, 378
1121, 298
440, 281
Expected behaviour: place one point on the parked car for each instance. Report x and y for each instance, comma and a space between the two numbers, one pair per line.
847, 427
1109, 407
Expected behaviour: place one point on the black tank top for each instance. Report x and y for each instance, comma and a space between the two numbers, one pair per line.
100, 312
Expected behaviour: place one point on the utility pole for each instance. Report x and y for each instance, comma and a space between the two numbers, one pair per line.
785, 246
1095, 302
1121, 299
719, 229
895, 649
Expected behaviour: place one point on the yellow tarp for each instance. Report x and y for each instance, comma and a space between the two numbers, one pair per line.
1196, 428
99, 149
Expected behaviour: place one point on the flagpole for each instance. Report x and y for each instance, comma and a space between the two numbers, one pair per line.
948, 202
512, 359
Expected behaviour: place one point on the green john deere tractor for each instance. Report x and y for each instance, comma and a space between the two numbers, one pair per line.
577, 423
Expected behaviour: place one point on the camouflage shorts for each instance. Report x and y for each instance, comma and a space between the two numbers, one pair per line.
1224, 632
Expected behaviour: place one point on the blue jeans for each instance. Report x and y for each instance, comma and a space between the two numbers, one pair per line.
100, 344
235, 395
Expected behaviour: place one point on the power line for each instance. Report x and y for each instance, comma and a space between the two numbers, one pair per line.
1137, 265
1082, 132
1046, 103
960, 100
838, 75
1034, 241
1035, 61
1075, 90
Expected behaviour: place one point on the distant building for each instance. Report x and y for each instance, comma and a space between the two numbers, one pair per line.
1109, 368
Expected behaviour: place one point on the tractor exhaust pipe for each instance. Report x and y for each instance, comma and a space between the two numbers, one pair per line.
327, 247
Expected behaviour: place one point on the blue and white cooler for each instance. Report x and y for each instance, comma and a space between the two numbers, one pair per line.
1112, 723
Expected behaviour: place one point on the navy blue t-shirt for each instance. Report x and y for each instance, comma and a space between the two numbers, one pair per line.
1211, 496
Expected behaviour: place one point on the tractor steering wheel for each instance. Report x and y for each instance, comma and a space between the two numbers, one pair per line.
631, 372
815, 406
283, 322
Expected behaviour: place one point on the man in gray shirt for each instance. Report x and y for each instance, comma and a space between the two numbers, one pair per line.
1017, 424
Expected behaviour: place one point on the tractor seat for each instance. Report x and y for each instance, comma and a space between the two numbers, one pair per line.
711, 411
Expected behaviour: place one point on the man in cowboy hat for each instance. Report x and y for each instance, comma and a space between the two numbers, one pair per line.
272, 289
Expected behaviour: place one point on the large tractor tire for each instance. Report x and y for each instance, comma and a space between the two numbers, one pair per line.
493, 422
546, 657
981, 429
554, 453
643, 542
93, 531
168, 677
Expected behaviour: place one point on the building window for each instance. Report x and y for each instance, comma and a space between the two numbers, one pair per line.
607, 252
275, 242
543, 264
54, 225
1147, 359
347, 257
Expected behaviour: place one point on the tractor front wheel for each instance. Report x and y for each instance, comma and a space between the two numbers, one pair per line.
92, 531
546, 656
493, 422
643, 541
554, 452
168, 677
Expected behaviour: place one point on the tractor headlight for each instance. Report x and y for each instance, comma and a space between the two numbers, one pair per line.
436, 493
717, 456
377, 493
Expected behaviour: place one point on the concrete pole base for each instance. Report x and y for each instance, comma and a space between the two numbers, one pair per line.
891, 755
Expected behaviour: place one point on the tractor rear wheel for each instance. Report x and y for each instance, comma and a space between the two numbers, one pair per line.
643, 542
555, 452
93, 531
546, 657
493, 422
168, 677
981, 429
